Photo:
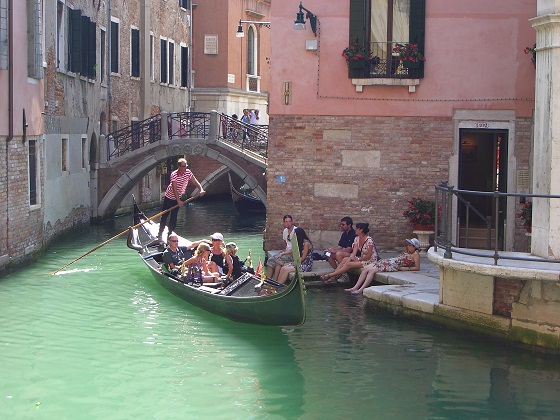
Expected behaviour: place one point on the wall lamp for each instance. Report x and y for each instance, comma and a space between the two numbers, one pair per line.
299, 23
241, 34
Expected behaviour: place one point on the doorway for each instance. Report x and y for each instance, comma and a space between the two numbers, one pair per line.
482, 167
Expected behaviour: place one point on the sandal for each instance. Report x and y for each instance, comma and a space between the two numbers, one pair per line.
324, 277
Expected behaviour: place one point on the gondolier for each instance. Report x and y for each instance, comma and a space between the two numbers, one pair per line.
177, 186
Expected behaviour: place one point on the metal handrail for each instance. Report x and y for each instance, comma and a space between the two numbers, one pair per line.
135, 136
444, 221
189, 125
245, 136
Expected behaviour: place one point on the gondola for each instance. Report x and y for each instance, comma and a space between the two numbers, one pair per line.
247, 299
244, 202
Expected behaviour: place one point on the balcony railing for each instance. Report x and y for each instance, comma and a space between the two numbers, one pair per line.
386, 65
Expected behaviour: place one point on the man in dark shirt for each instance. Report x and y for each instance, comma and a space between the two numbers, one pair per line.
344, 248
174, 256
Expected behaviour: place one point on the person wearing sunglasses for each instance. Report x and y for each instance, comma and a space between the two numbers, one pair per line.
179, 180
174, 256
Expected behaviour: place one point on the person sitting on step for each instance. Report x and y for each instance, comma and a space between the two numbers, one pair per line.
363, 252
409, 260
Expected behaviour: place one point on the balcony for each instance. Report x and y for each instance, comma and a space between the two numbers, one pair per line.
386, 69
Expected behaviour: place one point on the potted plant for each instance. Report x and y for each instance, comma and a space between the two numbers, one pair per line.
533, 51
526, 215
162, 168
420, 213
357, 59
408, 54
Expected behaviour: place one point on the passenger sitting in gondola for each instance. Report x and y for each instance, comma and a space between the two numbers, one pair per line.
174, 256
305, 253
201, 266
223, 263
238, 265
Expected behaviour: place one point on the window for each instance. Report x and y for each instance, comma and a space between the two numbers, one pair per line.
184, 66
34, 39
64, 155
185, 4
114, 47
383, 23
251, 51
134, 52
102, 53
33, 157
84, 152
60, 38
171, 56
3, 35
82, 54
163, 61
152, 70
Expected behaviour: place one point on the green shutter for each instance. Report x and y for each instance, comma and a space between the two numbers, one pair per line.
74, 50
358, 21
417, 28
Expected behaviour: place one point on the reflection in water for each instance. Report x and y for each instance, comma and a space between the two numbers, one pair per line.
104, 340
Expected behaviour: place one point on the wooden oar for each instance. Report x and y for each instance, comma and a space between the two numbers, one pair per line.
161, 213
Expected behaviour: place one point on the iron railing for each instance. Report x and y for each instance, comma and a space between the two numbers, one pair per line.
449, 200
245, 136
189, 125
385, 64
135, 136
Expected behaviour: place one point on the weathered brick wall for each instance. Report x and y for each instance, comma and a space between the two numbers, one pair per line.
506, 291
363, 167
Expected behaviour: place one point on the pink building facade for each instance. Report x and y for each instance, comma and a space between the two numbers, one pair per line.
362, 146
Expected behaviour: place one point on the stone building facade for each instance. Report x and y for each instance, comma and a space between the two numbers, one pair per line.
362, 145
75, 70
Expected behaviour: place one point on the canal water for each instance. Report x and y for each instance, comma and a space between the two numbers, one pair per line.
103, 340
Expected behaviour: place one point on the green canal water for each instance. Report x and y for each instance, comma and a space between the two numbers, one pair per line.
103, 340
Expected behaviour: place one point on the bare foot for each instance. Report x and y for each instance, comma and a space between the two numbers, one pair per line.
357, 292
349, 290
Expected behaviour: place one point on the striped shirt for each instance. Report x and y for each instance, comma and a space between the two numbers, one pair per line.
182, 182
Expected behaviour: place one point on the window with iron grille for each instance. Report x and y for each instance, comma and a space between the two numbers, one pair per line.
32, 150
134, 52
381, 24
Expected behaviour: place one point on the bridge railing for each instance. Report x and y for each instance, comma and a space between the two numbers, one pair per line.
135, 136
188, 125
250, 137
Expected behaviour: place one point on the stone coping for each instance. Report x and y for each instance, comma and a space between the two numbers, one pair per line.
523, 270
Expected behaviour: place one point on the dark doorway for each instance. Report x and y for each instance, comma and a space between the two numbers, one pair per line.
482, 167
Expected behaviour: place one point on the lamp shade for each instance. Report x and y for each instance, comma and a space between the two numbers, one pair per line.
240, 33
299, 23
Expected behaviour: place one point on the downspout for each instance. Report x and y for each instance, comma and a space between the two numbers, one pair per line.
10, 108
109, 54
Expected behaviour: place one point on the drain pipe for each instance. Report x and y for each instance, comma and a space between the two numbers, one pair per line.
10, 109
190, 78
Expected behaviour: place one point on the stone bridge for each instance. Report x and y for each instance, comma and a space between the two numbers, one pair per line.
129, 154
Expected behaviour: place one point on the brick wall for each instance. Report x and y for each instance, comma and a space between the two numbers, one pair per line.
506, 292
363, 167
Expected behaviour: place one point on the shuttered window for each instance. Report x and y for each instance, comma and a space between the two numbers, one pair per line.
163, 61
388, 21
114, 46
184, 66
135, 52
